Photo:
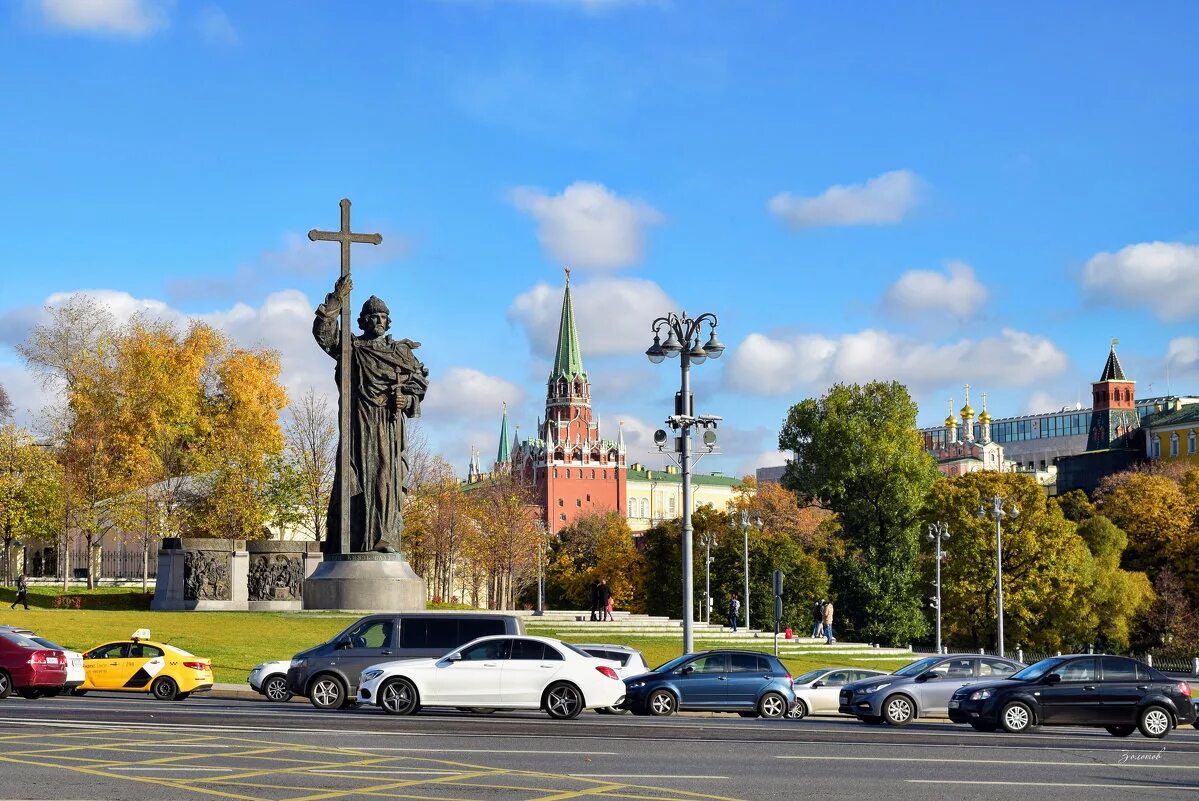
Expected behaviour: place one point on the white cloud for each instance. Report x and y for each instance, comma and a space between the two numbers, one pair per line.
131, 18
1183, 353
465, 392
955, 292
764, 365
1163, 276
588, 226
612, 315
215, 27
884, 200
1041, 402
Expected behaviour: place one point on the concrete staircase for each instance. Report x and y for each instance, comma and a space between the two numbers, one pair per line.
626, 628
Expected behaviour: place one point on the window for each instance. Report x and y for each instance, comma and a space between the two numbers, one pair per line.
371, 634
605, 475
566, 473
713, 663
614, 656
1191, 443
994, 667
632, 508
743, 663
486, 651
560, 503
580, 459
837, 678
644, 508
562, 516
588, 497
1118, 669
955, 668
555, 472
1078, 670
593, 471
114, 651
1174, 444
579, 502
671, 507
533, 650
140, 651
1155, 449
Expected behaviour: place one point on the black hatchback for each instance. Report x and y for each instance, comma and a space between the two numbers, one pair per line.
1112, 692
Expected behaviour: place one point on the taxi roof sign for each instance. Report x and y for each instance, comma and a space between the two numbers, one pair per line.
141, 634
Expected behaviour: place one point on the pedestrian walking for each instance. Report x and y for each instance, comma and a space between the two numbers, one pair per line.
734, 611
595, 601
22, 592
608, 608
818, 618
828, 624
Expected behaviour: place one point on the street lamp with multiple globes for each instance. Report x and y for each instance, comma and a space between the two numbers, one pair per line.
938, 532
707, 539
999, 508
683, 335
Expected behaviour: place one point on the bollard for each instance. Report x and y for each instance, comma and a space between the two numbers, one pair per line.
1149, 660
1019, 654
981, 651
1090, 649
1195, 666
1059, 653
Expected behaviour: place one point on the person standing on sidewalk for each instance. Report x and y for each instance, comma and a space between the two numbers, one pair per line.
828, 624
22, 592
818, 618
604, 595
734, 611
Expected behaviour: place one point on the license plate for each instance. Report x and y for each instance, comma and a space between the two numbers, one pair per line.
954, 704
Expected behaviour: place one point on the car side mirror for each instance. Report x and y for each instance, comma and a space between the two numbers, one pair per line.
342, 645
816, 684
454, 657
1053, 678
687, 671
926, 676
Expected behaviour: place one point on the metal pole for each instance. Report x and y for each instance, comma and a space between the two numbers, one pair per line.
745, 555
685, 463
707, 580
938, 530
540, 580
999, 567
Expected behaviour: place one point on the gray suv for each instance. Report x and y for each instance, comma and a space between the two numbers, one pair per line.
327, 674
921, 689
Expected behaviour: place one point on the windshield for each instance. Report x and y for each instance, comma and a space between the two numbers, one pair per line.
811, 675
1037, 669
916, 668
672, 664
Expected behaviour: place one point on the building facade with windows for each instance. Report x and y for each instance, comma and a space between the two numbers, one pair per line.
657, 495
1172, 433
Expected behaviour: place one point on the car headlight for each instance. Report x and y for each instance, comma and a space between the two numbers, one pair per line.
298, 663
873, 688
637, 685
981, 695
371, 675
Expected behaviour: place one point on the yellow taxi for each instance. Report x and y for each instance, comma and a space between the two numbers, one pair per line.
140, 664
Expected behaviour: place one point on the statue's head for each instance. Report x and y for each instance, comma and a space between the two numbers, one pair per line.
375, 317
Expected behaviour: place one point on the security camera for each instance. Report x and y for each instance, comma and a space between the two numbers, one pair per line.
659, 438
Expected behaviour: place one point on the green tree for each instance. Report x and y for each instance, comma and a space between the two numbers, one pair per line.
1047, 569
30, 493
1118, 597
1076, 506
858, 454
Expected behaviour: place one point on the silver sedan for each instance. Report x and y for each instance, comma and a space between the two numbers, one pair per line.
816, 691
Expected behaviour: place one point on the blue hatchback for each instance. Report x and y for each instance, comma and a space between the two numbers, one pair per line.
749, 682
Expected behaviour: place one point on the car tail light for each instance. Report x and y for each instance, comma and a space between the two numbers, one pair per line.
46, 658
195, 665
787, 676
1184, 688
607, 671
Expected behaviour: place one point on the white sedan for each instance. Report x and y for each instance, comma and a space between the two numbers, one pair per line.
816, 691
501, 672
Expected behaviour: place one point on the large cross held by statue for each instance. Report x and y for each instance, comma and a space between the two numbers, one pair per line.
345, 237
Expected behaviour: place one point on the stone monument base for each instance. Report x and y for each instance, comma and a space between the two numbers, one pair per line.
372, 582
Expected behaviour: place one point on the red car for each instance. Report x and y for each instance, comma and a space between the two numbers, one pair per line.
28, 667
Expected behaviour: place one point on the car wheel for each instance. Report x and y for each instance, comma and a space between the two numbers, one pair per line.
1016, 718
898, 710
772, 706
799, 711
327, 692
164, 689
399, 697
78, 692
563, 701
275, 688
982, 725
5, 685
1120, 731
1155, 722
662, 703
29, 694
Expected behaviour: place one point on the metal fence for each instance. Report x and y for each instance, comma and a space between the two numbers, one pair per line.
119, 561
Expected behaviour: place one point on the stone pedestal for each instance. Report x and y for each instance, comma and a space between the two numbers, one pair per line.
369, 582
204, 574
277, 571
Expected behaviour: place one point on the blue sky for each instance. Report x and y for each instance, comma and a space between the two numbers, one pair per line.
936, 196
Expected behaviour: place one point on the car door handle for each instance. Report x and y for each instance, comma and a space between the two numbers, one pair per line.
545, 666
722, 678
385, 653
489, 664
1090, 687
1142, 687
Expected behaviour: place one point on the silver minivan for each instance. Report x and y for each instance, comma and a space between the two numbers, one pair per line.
327, 674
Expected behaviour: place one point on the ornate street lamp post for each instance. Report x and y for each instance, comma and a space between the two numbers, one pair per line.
683, 336
741, 521
707, 539
998, 511
938, 532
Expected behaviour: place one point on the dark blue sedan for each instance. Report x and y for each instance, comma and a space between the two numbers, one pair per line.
748, 682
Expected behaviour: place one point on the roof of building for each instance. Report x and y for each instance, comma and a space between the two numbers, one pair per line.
705, 479
1112, 371
568, 361
503, 455
1187, 415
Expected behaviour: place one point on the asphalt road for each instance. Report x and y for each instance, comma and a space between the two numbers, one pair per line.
118, 747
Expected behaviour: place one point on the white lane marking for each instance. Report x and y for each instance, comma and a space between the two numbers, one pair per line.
496, 751
387, 772
1052, 784
156, 768
1089, 764
646, 776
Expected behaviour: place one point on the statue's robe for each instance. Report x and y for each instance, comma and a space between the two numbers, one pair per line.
387, 384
